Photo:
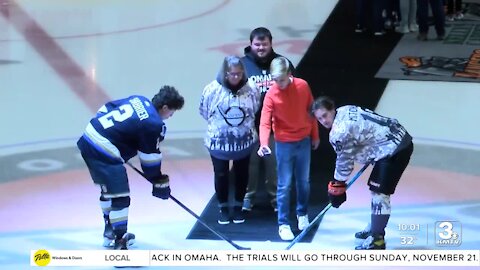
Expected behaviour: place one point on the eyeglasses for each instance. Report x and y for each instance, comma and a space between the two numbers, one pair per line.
235, 74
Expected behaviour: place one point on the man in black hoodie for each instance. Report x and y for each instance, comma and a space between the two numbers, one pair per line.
257, 59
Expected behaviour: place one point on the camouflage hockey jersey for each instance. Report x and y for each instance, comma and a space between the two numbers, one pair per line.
361, 135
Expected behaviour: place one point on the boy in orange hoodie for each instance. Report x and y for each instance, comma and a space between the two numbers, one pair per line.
287, 108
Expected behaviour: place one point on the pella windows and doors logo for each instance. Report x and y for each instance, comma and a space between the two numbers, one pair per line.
41, 257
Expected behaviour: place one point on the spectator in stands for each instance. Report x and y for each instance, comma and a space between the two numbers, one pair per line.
454, 10
391, 14
362, 13
438, 16
408, 17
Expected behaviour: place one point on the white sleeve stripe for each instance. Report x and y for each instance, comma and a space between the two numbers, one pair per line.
101, 141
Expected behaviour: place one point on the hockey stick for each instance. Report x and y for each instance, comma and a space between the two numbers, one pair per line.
328, 206
195, 215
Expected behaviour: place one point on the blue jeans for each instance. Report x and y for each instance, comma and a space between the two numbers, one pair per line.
293, 158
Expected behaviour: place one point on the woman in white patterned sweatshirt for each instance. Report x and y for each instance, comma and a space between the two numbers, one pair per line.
229, 104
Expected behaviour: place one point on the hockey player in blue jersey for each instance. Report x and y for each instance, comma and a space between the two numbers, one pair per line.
120, 130
361, 135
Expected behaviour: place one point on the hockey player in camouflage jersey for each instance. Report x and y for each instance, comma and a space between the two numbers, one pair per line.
361, 135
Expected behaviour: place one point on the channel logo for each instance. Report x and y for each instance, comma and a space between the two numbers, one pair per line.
448, 233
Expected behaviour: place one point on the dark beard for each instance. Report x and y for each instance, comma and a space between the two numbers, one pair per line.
264, 62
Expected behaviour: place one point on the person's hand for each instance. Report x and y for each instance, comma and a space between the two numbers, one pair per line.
315, 144
161, 187
264, 150
337, 193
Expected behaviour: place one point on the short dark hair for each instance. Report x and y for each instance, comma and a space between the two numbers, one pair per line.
323, 102
260, 33
168, 95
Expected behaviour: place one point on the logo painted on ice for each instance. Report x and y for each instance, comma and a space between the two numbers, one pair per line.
461, 67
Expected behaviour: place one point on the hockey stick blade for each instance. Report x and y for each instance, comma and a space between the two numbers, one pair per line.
327, 207
195, 215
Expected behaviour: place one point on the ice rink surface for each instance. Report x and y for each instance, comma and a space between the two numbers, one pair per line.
60, 60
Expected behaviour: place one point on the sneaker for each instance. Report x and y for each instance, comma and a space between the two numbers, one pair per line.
459, 16
238, 216
285, 232
373, 242
362, 234
413, 27
123, 243
378, 34
247, 205
450, 18
303, 222
223, 217
402, 29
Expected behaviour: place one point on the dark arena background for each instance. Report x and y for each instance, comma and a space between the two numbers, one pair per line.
61, 60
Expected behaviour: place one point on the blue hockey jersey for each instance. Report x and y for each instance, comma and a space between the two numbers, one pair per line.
126, 127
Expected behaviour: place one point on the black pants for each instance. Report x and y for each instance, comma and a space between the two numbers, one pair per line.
387, 172
221, 171
454, 6
369, 13
438, 16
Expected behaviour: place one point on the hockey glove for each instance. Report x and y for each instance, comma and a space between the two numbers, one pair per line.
337, 193
161, 187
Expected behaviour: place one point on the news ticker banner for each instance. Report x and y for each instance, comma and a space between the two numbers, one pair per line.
254, 258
